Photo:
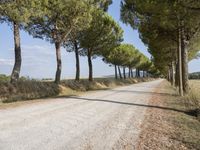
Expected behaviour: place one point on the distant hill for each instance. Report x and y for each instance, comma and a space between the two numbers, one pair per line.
194, 75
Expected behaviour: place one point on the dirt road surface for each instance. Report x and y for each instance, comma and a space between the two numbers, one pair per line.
102, 120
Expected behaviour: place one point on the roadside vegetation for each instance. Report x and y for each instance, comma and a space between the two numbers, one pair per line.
171, 124
27, 89
192, 100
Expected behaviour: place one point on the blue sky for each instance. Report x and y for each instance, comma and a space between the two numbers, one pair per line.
39, 60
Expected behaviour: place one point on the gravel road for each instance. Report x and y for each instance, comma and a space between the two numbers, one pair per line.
102, 120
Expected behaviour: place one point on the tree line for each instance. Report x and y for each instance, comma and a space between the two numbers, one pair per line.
127, 56
171, 30
80, 26
194, 75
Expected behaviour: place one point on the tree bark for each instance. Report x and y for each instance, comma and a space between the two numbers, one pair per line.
177, 75
120, 74
116, 75
124, 72
138, 73
59, 62
147, 74
169, 75
131, 73
77, 78
172, 73
143, 74
180, 64
185, 63
90, 65
18, 60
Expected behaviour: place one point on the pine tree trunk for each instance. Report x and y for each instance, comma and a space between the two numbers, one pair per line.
143, 74
116, 75
124, 72
59, 62
169, 75
90, 65
180, 64
138, 73
131, 73
177, 75
77, 62
172, 73
120, 74
18, 60
185, 63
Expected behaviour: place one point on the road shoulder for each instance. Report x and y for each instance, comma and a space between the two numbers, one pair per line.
166, 126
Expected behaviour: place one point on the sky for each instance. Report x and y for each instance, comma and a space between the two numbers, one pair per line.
39, 60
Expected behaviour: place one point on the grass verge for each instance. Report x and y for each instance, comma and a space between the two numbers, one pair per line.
32, 89
169, 125
192, 100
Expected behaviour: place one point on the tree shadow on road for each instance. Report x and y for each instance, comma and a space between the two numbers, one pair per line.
127, 103
144, 92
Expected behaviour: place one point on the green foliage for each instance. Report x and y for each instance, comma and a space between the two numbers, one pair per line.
127, 55
195, 75
103, 33
4, 78
19, 11
59, 19
103, 4
123, 55
158, 24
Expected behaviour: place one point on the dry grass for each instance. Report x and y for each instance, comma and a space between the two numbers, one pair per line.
32, 89
193, 98
173, 128
100, 83
27, 90
187, 125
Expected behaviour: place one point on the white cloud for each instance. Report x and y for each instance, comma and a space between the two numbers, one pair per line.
32, 55
8, 62
37, 55
42, 49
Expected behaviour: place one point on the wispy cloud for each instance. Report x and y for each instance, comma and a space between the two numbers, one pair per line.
41, 49
6, 62
34, 55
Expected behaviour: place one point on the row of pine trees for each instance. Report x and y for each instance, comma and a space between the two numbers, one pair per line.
171, 30
81, 26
